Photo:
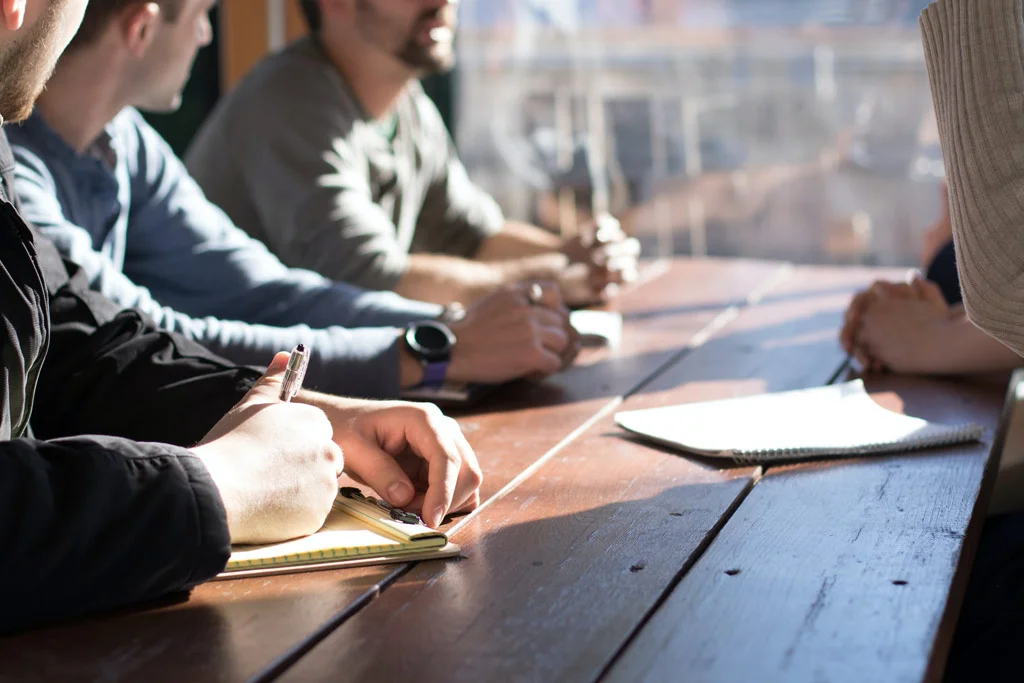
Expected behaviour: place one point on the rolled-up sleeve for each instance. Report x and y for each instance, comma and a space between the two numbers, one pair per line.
457, 216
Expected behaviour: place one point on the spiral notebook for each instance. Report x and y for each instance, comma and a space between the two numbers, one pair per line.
839, 420
360, 530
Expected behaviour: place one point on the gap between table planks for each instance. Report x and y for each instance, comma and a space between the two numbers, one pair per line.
237, 629
842, 571
562, 569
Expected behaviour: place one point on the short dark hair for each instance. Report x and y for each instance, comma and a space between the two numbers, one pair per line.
99, 14
311, 10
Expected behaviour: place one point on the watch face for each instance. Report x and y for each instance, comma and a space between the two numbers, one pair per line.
432, 340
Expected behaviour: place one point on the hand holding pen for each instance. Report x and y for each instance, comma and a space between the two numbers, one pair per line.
274, 462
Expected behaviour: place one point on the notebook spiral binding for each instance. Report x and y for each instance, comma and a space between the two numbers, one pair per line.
964, 434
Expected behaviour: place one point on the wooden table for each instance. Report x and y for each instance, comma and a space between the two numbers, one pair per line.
595, 557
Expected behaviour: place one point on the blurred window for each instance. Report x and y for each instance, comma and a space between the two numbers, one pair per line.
792, 129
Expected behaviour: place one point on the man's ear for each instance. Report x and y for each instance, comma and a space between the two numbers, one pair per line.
138, 25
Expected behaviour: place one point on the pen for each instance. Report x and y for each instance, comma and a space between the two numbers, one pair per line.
298, 359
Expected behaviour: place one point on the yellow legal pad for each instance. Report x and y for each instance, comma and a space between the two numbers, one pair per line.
359, 531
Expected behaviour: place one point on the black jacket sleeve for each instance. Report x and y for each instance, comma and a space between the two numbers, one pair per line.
94, 522
110, 371
91, 523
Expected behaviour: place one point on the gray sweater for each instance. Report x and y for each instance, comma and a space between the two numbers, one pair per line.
975, 55
293, 158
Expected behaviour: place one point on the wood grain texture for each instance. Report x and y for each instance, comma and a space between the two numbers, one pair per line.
232, 630
837, 571
525, 420
562, 570
225, 631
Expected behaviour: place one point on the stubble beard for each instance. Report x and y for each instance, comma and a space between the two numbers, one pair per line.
427, 60
25, 67
421, 59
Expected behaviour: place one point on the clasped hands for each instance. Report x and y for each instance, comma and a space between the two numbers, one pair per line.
897, 326
601, 259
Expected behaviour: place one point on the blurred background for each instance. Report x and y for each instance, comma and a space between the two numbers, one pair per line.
786, 129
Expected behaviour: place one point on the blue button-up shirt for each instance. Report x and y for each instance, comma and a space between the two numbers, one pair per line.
128, 212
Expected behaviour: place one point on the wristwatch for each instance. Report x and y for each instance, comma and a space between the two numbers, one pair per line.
431, 342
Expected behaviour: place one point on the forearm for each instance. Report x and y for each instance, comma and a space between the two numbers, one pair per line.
975, 56
444, 279
967, 350
517, 240
357, 362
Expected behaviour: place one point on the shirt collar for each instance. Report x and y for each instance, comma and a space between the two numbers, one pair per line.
102, 149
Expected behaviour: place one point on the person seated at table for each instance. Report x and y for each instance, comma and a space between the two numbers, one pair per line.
331, 154
125, 472
920, 327
100, 182
975, 57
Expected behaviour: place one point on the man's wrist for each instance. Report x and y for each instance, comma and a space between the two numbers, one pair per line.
540, 267
410, 370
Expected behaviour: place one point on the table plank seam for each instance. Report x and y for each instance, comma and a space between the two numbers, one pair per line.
701, 337
936, 668
717, 324
670, 587
277, 667
727, 316
538, 463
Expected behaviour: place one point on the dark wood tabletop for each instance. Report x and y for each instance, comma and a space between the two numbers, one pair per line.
597, 557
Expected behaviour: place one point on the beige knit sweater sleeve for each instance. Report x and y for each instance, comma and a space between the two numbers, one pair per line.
975, 55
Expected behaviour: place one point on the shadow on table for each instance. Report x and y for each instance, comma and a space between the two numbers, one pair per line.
223, 631
549, 592
665, 311
789, 355
797, 352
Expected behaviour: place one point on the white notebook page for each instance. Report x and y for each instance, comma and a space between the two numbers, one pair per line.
840, 419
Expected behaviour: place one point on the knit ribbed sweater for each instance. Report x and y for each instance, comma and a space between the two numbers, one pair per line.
975, 56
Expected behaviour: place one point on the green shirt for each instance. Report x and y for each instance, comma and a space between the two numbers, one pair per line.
294, 159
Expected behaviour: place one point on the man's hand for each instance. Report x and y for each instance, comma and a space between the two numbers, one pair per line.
602, 258
274, 463
902, 329
855, 313
506, 336
409, 453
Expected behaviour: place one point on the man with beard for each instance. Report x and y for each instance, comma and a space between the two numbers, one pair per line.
125, 473
330, 153
94, 177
